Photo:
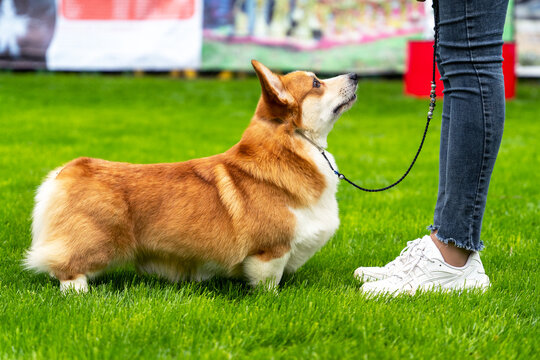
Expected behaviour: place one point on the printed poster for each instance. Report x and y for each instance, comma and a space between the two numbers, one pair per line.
101, 35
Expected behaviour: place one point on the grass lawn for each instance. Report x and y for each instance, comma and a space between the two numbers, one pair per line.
48, 119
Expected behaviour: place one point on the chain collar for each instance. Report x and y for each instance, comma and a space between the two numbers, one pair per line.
310, 140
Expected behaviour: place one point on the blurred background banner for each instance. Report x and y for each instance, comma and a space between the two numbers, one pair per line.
327, 36
126, 34
110, 35
527, 18
366, 36
26, 30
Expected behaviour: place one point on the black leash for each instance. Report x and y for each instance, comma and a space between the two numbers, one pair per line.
432, 101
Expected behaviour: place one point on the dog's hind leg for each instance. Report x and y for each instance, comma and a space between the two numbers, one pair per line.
51, 257
265, 269
77, 284
76, 236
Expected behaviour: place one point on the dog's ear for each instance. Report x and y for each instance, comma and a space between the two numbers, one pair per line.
273, 89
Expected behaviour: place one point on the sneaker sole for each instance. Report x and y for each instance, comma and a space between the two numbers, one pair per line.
482, 284
366, 278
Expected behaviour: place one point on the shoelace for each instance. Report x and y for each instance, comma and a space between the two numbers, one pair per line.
410, 266
411, 245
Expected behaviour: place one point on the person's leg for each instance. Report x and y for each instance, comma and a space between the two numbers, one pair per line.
452, 254
443, 155
470, 49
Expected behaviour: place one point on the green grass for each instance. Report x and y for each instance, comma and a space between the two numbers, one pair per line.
48, 119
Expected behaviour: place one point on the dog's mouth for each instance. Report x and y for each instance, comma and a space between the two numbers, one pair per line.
345, 104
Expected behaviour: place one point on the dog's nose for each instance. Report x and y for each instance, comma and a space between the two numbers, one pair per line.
353, 77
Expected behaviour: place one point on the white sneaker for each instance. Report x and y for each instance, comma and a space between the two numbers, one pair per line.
427, 270
375, 273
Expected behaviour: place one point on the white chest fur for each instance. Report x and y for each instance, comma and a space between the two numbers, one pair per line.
315, 224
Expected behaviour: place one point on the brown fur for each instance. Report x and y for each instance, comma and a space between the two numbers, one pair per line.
220, 209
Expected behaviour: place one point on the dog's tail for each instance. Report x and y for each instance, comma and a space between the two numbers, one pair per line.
41, 251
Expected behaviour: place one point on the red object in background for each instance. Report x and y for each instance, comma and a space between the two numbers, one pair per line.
127, 9
419, 66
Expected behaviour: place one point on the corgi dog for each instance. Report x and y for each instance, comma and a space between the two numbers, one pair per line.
260, 209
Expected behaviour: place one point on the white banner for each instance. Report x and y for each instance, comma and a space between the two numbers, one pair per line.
126, 34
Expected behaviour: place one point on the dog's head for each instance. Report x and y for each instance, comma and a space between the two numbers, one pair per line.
302, 101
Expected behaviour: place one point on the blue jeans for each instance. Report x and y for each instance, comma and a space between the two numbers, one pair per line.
469, 60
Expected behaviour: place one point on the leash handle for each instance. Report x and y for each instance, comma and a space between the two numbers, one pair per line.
432, 101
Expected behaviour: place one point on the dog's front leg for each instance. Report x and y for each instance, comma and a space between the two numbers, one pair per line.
265, 270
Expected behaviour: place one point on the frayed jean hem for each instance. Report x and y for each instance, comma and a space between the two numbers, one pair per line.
446, 240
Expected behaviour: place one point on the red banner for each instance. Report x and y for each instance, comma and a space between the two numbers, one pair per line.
127, 9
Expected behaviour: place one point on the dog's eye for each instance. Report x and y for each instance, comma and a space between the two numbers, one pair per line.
316, 83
